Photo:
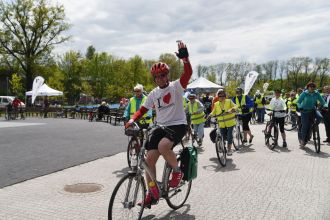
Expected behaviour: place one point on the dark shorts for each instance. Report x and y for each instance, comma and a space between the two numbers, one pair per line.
158, 134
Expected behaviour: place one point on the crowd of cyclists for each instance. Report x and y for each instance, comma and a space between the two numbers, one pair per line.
172, 110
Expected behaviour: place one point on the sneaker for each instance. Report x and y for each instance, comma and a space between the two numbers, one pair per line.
302, 143
284, 144
251, 138
327, 140
148, 201
176, 179
229, 152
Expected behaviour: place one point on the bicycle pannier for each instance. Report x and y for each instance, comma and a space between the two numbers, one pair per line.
189, 163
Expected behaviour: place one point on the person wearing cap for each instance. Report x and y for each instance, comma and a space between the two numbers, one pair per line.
278, 104
260, 102
102, 110
307, 103
134, 104
227, 121
245, 108
197, 117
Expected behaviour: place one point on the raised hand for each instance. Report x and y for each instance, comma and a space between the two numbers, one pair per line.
182, 51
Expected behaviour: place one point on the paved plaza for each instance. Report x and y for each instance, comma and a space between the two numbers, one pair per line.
257, 183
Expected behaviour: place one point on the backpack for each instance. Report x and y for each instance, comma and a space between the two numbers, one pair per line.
189, 163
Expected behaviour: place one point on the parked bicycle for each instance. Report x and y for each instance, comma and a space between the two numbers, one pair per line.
312, 132
131, 188
290, 121
238, 134
271, 131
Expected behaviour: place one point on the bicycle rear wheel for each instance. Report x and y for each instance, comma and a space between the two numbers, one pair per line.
271, 136
236, 138
316, 137
221, 150
133, 149
176, 197
128, 192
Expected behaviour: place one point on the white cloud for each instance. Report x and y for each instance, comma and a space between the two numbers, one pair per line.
215, 31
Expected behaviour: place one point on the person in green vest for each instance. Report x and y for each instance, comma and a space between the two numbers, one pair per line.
292, 106
134, 104
259, 103
197, 117
227, 121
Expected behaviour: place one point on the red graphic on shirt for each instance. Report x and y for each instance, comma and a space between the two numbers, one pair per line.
167, 98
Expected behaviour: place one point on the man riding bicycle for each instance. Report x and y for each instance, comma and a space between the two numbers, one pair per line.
307, 104
168, 103
134, 104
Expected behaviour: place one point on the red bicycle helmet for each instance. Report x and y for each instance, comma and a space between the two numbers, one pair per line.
159, 68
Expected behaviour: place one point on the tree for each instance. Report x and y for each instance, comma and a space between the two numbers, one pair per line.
28, 31
90, 52
16, 85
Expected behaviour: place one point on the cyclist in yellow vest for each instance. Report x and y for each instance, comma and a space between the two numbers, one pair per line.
134, 104
197, 117
245, 108
259, 103
228, 120
292, 105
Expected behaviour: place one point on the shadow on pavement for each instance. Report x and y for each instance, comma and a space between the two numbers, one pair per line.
246, 149
230, 166
180, 214
122, 172
312, 153
281, 149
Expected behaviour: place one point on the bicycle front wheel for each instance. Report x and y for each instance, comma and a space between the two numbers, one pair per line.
221, 150
271, 136
237, 141
132, 149
288, 126
129, 191
316, 137
176, 197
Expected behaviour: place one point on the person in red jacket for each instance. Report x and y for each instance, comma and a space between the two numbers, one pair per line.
168, 103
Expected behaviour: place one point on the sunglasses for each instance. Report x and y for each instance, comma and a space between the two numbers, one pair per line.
160, 76
137, 91
221, 96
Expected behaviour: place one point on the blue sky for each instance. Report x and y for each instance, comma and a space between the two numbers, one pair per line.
215, 30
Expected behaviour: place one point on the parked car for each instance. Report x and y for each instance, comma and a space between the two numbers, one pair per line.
4, 101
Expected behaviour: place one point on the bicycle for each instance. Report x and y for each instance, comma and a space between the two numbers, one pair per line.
238, 133
313, 130
132, 187
135, 143
271, 131
289, 118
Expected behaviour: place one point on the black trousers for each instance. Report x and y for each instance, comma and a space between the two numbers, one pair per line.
326, 119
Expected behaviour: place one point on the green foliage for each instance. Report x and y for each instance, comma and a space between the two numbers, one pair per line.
29, 30
16, 85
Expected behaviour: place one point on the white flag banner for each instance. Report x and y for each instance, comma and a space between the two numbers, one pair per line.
250, 78
265, 86
37, 83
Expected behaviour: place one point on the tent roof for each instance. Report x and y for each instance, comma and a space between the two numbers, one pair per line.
202, 83
45, 90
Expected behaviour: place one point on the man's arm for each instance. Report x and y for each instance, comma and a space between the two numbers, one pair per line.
187, 72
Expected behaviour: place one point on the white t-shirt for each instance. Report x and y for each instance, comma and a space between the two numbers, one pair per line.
168, 103
278, 105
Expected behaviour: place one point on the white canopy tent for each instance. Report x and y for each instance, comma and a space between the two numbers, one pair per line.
203, 85
45, 90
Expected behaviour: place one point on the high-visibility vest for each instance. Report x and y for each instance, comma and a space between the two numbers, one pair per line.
292, 104
184, 101
243, 102
259, 102
134, 109
196, 118
227, 120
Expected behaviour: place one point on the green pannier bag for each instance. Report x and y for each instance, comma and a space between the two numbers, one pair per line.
189, 163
